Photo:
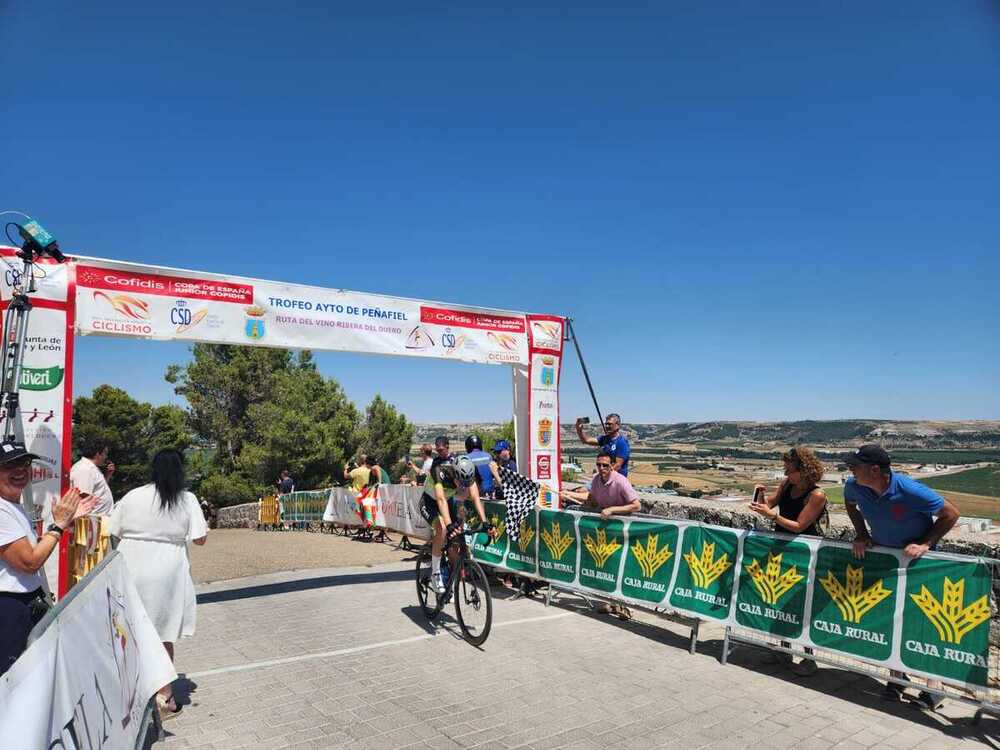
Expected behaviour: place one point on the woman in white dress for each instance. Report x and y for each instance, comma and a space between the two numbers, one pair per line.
154, 523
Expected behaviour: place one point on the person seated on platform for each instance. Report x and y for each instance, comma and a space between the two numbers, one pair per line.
612, 494
23, 601
796, 507
892, 510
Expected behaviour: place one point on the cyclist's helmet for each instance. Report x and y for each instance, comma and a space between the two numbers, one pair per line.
465, 471
473, 443
441, 440
501, 445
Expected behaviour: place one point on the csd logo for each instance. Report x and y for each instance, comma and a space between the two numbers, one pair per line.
12, 276
448, 339
180, 315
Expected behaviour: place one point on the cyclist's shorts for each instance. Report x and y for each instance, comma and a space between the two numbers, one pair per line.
429, 508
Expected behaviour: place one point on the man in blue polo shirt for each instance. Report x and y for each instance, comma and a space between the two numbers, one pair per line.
612, 440
899, 512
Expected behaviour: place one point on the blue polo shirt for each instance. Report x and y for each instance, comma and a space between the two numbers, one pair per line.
618, 447
899, 517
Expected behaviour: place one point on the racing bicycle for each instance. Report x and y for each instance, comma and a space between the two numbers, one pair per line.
465, 581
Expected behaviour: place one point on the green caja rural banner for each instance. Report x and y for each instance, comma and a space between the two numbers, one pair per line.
650, 560
704, 583
854, 602
493, 552
946, 619
522, 556
773, 585
557, 545
600, 557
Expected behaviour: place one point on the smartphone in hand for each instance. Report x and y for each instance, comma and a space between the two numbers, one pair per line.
584, 420
758, 496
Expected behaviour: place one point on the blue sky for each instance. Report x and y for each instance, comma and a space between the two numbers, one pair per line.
751, 210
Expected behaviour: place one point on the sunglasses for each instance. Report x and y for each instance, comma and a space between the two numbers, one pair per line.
603, 466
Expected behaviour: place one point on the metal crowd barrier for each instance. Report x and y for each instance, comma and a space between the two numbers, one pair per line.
986, 700
269, 513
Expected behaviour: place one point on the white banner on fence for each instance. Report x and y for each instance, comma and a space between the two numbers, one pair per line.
397, 508
122, 299
86, 681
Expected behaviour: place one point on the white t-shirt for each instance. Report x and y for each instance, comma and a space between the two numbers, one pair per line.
88, 477
426, 468
14, 525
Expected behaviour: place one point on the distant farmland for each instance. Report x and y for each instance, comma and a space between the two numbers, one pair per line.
982, 481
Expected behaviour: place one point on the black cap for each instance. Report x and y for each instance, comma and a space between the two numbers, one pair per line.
12, 450
870, 454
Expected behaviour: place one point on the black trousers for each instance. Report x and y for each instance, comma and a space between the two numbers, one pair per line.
15, 624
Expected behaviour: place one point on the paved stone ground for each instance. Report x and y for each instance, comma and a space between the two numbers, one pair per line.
344, 658
236, 553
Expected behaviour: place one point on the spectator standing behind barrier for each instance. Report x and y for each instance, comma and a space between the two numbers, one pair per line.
358, 474
502, 452
612, 494
86, 475
22, 554
800, 505
376, 474
154, 523
899, 512
481, 460
285, 483
613, 440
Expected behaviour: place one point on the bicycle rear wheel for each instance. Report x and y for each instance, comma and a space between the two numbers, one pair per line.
430, 601
473, 602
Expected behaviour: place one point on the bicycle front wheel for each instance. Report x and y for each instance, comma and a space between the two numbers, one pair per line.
430, 601
473, 602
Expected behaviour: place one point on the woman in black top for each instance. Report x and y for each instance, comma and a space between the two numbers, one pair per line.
796, 508
800, 503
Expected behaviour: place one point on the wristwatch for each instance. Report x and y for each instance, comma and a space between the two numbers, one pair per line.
56, 528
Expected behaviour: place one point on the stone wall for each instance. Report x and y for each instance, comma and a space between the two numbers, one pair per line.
238, 517
739, 516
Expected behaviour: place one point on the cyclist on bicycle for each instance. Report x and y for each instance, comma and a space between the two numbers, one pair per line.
448, 483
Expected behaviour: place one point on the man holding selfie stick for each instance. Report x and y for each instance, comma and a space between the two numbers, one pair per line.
612, 440
86, 476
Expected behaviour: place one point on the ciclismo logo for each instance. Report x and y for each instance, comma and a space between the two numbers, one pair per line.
133, 309
546, 335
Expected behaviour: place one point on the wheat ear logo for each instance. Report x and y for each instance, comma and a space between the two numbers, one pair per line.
705, 569
556, 541
852, 602
650, 558
525, 536
949, 617
770, 582
499, 526
600, 548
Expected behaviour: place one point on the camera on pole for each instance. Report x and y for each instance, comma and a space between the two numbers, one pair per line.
37, 243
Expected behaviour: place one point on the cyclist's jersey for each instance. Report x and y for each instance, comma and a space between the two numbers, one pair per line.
442, 472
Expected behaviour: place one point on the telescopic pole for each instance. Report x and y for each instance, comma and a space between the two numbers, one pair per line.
571, 334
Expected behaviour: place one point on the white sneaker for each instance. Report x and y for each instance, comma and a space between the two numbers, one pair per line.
437, 583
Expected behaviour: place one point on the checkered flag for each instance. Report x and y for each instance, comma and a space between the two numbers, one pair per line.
521, 496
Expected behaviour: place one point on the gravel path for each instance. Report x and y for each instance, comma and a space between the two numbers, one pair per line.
235, 553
